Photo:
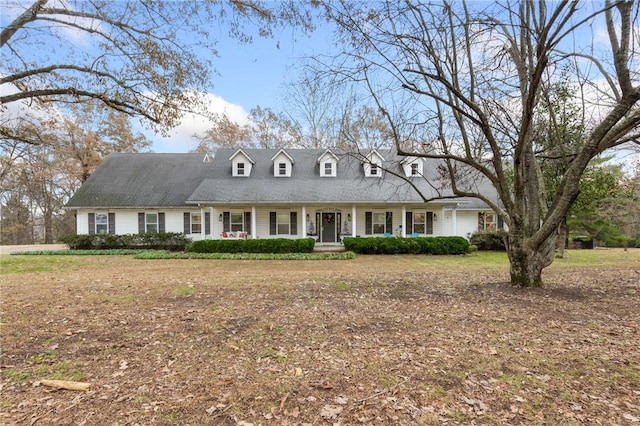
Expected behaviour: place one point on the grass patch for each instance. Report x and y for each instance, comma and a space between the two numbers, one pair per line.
148, 255
17, 265
92, 252
18, 376
186, 291
121, 298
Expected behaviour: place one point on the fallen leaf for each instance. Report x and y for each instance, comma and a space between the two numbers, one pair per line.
330, 412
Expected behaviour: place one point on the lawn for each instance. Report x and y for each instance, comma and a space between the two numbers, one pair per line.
376, 340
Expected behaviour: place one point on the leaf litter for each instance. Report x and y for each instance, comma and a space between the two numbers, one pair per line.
281, 343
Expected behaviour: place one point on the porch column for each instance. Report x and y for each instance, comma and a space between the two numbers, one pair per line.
203, 224
254, 230
454, 219
403, 232
212, 221
304, 222
443, 219
353, 221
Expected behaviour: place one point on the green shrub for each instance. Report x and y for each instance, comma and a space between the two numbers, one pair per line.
396, 245
271, 245
172, 241
489, 240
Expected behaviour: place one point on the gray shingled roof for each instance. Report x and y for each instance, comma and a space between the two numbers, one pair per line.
143, 180
176, 180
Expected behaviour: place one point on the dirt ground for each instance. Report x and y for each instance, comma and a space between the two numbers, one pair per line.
406, 340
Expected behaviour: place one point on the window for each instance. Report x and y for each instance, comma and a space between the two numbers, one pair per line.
379, 222
240, 169
151, 222
419, 221
196, 223
236, 221
102, 223
414, 169
282, 222
486, 221
328, 168
282, 169
374, 169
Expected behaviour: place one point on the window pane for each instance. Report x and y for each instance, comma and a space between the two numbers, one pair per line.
283, 222
102, 223
419, 222
152, 222
283, 168
327, 168
240, 168
379, 221
196, 223
237, 222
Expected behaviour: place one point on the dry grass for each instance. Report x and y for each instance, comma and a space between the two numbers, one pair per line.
376, 340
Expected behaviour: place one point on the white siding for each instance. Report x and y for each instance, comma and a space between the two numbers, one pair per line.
127, 219
467, 222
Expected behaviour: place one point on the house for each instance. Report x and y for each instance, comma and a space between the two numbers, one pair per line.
267, 193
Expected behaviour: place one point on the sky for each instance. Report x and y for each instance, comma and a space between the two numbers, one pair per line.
249, 75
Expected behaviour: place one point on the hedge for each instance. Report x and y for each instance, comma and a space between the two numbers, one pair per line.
272, 245
489, 240
172, 241
397, 245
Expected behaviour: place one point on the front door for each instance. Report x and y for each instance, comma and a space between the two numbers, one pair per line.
328, 234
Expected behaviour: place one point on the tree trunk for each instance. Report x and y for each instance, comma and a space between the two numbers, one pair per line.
561, 243
527, 262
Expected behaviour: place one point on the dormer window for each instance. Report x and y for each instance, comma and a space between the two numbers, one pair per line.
282, 164
413, 166
328, 164
372, 164
241, 164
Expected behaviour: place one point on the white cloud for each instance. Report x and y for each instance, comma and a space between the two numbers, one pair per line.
181, 138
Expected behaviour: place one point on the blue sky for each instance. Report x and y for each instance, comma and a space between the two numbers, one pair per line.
250, 75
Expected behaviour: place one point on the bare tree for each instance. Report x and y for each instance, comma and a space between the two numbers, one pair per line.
146, 59
466, 80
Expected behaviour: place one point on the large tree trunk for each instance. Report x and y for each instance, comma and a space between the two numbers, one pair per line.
561, 243
527, 262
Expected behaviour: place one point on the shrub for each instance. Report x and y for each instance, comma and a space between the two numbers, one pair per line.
172, 241
274, 245
489, 240
396, 245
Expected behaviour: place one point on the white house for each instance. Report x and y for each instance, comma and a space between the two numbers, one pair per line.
268, 193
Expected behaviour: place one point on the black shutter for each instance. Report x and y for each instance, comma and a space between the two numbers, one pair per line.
273, 226
207, 223
112, 223
161, 223
389, 224
409, 220
247, 222
368, 223
226, 222
294, 223
92, 223
187, 222
141, 229
500, 223
429, 228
